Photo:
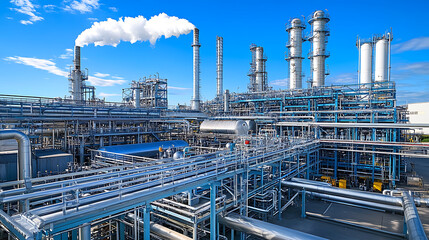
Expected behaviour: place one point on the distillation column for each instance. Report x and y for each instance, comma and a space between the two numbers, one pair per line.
365, 55
382, 57
295, 29
261, 79
318, 54
195, 103
219, 67
75, 78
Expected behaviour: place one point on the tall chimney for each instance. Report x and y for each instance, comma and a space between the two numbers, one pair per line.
195, 102
219, 67
295, 29
318, 22
76, 78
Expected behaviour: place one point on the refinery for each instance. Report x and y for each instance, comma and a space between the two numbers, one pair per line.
314, 161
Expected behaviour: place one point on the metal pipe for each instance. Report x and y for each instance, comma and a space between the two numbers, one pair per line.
195, 103
396, 201
24, 153
262, 229
317, 183
160, 230
415, 229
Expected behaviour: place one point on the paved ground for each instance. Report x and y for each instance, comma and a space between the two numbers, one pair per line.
379, 220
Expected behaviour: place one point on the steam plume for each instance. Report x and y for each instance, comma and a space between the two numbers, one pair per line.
129, 29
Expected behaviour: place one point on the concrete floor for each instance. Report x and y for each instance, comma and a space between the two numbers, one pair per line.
291, 218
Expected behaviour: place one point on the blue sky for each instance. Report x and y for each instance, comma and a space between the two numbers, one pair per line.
37, 33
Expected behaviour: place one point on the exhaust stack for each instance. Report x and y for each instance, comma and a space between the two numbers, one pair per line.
318, 54
195, 102
76, 78
219, 67
295, 28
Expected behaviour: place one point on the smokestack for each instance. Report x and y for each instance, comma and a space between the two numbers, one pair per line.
76, 78
219, 65
195, 103
76, 60
318, 22
295, 29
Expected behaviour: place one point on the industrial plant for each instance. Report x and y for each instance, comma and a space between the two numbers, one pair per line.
314, 161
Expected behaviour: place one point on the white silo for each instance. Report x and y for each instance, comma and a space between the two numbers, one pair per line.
365, 63
381, 59
318, 54
295, 29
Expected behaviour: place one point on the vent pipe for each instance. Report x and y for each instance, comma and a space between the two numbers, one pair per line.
318, 54
219, 67
195, 103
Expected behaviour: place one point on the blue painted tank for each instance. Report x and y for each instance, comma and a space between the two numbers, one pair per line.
145, 149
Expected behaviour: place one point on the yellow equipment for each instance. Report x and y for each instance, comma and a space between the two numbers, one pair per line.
342, 183
378, 186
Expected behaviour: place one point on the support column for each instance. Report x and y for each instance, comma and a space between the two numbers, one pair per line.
213, 220
85, 232
303, 215
146, 220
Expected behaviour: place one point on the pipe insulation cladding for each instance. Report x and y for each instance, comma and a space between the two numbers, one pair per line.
295, 29
318, 53
24, 153
238, 127
195, 103
263, 229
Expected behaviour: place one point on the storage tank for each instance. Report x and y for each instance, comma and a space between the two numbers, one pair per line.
145, 149
381, 60
366, 63
238, 127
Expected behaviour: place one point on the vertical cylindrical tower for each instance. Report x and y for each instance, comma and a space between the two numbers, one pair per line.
136, 94
365, 63
226, 101
260, 81
318, 22
195, 103
295, 29
381, 59
75, 78
219, 67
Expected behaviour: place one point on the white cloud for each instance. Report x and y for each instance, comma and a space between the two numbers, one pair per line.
42, 64
51, 67
116, 77
102, 75
421, 68
67, 54
112, 32
82, 6
27, 8
93, 19
113, 9
177, 88
414, 44
10, 18
49, 8
344, 79
102, 94
280, 82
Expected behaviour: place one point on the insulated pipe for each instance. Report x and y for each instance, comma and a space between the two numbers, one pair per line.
386, 207
160, 230
317, 183
415, 229
374, 197
24, 152
262, 229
